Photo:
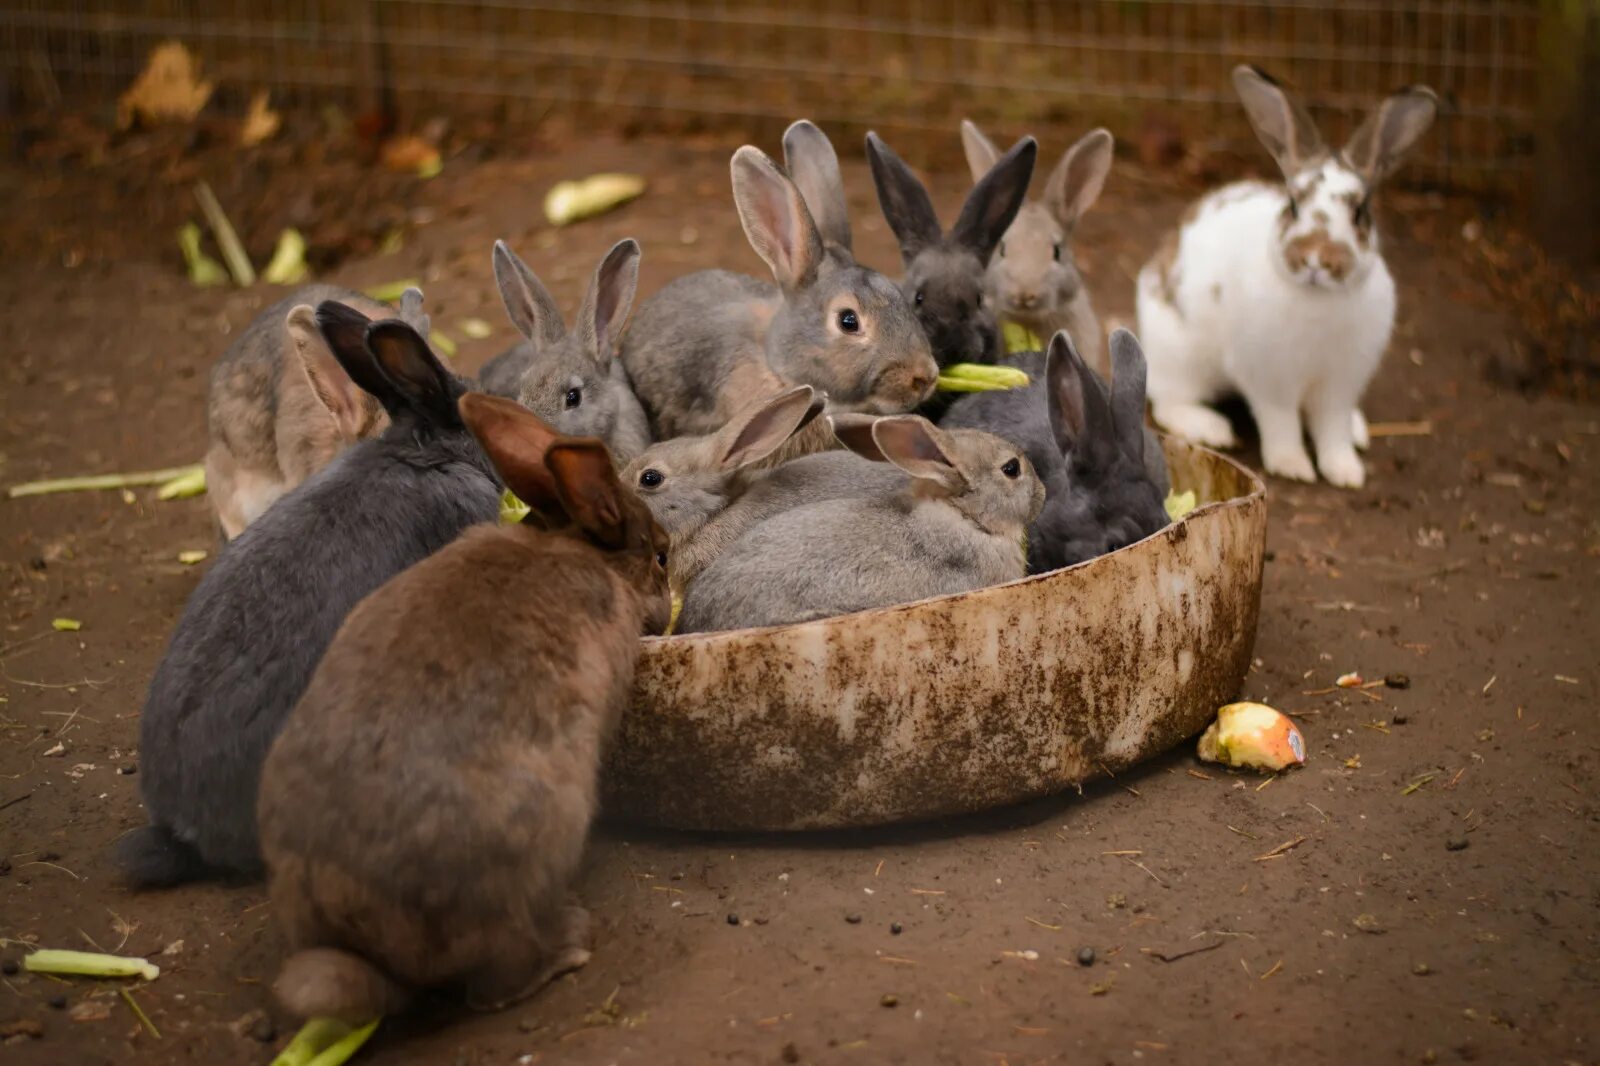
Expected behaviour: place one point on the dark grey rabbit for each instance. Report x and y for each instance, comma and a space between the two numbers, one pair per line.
254, 630
1103, 488
574, 381
945, 272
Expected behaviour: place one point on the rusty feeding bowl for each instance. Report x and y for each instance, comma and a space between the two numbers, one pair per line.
958, 703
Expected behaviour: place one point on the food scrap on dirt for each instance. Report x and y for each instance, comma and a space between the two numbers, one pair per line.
1253, 735
573, 201
88, 964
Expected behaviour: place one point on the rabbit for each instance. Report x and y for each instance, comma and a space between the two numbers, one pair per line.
253, 630
710, 342
944, 276
1033, 279
687, 480
574, 381
958, 525
1089, 448
425, 808
280, 407
1280, 293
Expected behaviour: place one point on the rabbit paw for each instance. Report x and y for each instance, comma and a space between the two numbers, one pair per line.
1358, 430
1293, 464
1343, 469
1197, 423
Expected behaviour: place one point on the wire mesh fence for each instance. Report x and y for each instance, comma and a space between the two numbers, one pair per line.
1156, 69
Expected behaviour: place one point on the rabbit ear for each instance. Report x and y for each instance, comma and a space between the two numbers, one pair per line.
587, 485
1282, 124
765, 427
904, 201
1127, 393
993, 203
915, 446
329, 383
345, 331
981, 152
605, 307
854, 431
419, 379
1377, 146
1076, 182
529, 304
813, 166
516, 441
775, 218
1080, 413
411, 312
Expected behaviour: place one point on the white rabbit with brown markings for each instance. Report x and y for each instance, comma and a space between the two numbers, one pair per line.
1280, 292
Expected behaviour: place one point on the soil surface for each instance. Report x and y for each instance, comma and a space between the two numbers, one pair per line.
1426, 888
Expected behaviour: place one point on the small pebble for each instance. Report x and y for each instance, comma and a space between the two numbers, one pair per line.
263, 1030
49, 856
1421, 969
1456, 844
1086, 957
889, 999
9, 967
5, 867
896, 928
733, 919
129, 770
1269, 556
1397, 681
1400, 719
853, 918
58, 1002
790, 1053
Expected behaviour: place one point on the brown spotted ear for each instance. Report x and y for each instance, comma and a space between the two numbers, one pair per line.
1283, 125
1379, 143
590, 492
344, 399
913, 444
516, 442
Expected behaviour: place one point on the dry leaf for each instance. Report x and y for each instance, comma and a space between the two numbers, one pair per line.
168, 89
260, 122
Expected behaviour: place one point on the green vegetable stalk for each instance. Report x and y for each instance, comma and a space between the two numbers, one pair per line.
88, 963
324, 1042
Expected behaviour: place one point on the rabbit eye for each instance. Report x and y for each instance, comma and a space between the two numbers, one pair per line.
1055, 250
849, 321
651, 478
920, 295
661, 560
1012, 469
574, 398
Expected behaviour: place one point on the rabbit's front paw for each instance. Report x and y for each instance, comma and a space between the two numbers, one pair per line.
1359, 432
1292, 463
1343, 469
1196, 422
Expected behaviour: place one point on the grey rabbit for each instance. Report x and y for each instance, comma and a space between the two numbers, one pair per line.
711, 342
945, 272
1090, 447
1034, 278
686, 481
425, 809
958, 525
254, 629
279, 407
574, 381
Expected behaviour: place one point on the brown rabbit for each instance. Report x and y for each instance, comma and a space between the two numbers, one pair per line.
280, 407
425, 808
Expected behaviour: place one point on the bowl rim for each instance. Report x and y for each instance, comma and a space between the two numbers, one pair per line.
1257, 491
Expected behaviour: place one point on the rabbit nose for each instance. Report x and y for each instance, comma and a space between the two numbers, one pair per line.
1027, 299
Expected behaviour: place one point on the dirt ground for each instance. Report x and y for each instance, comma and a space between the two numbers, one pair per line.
1426, 888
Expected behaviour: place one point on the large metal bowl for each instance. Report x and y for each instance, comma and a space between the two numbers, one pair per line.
958, 703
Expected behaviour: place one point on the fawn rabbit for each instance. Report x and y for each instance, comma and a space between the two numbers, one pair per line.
1088, 447
1280, 292
958, 525
1033, 279
687, 480
709, 343
425, 808
945, 271
261, 617
574, 381
280, 407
